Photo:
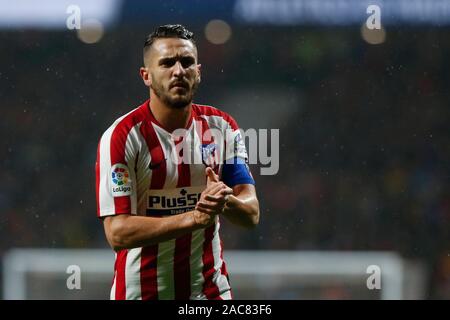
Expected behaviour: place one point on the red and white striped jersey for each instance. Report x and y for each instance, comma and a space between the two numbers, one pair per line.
136, 174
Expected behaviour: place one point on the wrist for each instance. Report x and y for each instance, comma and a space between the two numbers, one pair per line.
193, 223
196, 221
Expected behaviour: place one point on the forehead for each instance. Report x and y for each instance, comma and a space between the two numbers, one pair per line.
170, 47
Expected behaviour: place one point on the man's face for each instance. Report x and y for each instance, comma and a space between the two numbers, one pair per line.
175, 74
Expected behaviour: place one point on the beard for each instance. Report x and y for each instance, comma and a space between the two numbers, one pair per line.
176, 102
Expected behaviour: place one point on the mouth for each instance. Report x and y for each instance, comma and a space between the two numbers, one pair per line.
180, 85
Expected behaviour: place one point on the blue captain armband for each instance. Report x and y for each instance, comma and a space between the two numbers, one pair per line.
236, 172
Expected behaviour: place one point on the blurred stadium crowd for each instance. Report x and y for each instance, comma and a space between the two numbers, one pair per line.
364, 155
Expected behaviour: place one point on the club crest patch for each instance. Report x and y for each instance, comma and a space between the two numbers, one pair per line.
209, 154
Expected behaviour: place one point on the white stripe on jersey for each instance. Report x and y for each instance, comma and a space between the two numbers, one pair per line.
106, 200
133, 142
196, 261
112, 295
142, 167
133, 275
217, 122
165, 274
168, 147
166, 250
197, 169
221, 124
220, 280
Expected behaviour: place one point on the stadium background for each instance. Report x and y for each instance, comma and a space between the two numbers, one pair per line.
364, 136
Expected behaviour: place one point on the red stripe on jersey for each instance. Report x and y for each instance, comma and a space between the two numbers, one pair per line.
210, 289
156, 152
182, 267
120, 266
211, 111
116, 146
223, 270
117, 150
181, 263
149, 254
206, 139
97, 179
149, 282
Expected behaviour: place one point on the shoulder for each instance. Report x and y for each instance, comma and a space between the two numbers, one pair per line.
215, 116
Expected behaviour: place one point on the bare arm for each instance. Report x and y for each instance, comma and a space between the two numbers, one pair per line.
241, 208
127, 231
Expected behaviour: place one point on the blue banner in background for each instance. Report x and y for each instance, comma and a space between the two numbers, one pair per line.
177, 11
288, 12
340, 12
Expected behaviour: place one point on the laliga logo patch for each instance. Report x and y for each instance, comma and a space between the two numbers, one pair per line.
121, 182
120, 176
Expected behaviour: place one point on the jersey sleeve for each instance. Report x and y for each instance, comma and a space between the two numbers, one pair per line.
115, 173
235, 169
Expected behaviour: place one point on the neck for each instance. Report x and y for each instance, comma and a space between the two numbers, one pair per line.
170, 118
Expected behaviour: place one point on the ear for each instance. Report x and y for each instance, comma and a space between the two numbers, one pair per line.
145, 75
199, 72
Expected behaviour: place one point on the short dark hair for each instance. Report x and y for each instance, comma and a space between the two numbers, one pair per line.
168, 31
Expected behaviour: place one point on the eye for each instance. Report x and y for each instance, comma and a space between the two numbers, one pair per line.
187, 62
167, 63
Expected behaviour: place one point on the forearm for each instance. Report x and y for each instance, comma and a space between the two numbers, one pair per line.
242, 210
129, 231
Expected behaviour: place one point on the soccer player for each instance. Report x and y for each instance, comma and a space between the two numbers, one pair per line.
160, 192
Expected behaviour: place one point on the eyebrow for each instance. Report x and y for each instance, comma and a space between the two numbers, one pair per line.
176, 58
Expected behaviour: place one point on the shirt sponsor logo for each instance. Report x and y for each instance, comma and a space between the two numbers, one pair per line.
120, 180
173, 201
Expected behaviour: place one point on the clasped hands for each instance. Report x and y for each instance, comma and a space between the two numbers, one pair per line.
213, 199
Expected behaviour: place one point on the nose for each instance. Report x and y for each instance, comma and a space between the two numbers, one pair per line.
178, 69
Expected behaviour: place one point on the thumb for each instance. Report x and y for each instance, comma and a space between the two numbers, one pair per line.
211, 176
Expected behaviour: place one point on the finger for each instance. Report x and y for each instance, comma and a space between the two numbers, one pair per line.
216, 198
205, 211
216, 177
209, 205
226, 191
212, 184
208, 178
215, 207
211, 176
215, 188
